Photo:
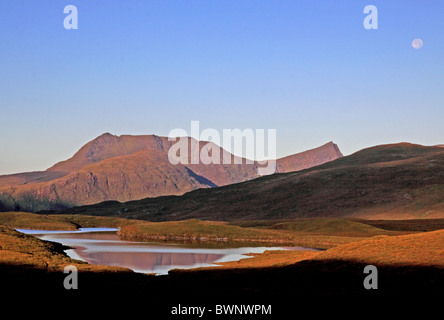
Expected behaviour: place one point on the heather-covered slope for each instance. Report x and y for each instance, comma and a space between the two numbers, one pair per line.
400, 181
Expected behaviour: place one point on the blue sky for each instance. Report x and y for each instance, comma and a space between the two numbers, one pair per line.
308, 69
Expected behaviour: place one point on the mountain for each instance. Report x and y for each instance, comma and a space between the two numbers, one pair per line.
397, 181
108, 146
125, 168
9, 180
311, 158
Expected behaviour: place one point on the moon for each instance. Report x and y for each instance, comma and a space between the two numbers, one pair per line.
417, 43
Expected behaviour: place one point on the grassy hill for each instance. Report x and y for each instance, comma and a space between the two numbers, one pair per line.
27, 220
412, 249
400, 181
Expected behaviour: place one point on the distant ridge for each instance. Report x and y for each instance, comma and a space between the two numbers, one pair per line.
127, 167
314, 157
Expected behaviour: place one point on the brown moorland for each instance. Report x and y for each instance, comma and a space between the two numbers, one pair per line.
394, 182
19, 250
315, 233
31, 269
422, 249
410, 267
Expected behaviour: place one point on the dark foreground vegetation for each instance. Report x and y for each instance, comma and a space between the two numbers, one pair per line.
333, 286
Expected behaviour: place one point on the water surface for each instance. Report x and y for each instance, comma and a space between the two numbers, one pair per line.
102, 246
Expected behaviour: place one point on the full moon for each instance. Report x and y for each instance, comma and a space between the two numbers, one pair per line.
417, 44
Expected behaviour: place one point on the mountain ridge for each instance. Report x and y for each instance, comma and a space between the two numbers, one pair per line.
396, 181
127, 167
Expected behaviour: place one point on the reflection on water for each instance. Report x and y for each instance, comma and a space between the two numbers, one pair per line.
105, 248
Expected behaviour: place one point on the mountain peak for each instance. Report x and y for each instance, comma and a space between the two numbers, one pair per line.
131, 167
105, 135
108, 146
310, 158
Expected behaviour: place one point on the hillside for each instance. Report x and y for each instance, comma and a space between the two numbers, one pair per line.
125, 168
412, 249
10, 180
308, 159
399, 181
122, 178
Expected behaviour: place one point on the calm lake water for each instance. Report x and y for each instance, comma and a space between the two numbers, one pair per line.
103, 246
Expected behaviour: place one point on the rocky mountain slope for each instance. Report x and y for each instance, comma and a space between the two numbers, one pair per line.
125, 168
